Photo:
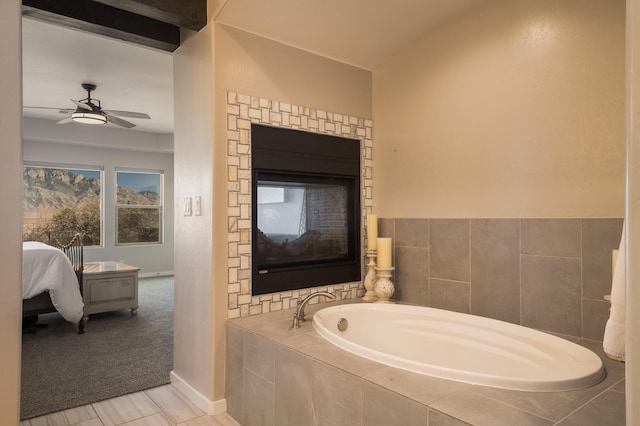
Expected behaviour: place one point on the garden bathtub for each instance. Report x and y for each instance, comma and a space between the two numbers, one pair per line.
460, 347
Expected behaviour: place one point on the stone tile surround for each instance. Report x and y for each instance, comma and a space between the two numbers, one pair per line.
548, 274
242, 110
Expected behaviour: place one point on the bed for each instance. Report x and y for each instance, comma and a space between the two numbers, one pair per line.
52, 280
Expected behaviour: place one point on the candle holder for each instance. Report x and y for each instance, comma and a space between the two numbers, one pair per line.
384, 287
370, 278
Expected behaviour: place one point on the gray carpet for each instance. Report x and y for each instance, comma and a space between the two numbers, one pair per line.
117, 355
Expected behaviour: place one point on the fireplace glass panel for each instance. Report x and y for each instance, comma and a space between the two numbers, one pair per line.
301, 221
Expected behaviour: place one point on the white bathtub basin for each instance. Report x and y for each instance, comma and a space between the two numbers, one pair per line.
460, 347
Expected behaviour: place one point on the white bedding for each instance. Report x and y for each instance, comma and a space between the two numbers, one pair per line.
46, 268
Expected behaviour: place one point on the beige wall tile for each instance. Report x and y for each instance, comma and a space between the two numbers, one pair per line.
418, 387
382, 407
259, 356
495, 269
475, 409
449, 248
337, 397
449, 295
234, 371
595, 314
438, 419
551, 237
411, 279
412, 232
551, 294
293, 390
606, 409
258, 397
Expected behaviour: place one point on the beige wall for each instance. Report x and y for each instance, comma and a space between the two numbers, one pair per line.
256, 66
388, 82
633, 213
10, 210
193, 165
515, 109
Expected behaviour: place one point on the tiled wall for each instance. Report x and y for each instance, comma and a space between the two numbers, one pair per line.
242, 110
549, 274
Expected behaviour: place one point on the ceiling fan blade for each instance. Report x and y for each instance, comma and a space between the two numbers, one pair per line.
81, 105
65, 110
129, 114
119, 122
65, 120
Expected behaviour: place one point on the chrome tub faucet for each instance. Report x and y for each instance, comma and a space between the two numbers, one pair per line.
298, 317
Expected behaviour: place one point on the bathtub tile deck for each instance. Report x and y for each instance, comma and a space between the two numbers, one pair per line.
557, 405
447, 402
607, 409
550, 405
376, 401
337, 397
315, 346
475, 409
418, 387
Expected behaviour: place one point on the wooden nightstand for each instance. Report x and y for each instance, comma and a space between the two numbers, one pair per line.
109, 286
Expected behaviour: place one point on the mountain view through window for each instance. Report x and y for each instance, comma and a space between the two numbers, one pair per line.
138, 207
62, 201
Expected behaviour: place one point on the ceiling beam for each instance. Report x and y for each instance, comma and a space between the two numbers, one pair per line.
105, 20
191, 14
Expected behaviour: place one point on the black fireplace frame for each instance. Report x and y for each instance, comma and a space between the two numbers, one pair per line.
288, 152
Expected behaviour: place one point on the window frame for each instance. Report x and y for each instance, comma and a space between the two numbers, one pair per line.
159, 207
72, 167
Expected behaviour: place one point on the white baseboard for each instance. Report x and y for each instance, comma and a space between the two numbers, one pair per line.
155, 274
210, 407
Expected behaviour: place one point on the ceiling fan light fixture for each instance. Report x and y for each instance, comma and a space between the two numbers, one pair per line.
88, 117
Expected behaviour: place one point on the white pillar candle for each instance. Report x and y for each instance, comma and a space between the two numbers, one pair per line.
384, 252
372, 231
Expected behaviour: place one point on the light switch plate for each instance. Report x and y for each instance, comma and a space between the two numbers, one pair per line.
198, 207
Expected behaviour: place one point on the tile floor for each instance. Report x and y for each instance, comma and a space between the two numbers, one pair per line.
161, 406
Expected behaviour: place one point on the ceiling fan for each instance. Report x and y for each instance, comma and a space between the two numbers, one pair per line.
89, 111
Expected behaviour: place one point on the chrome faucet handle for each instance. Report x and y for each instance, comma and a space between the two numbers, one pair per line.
300, 311
296, 315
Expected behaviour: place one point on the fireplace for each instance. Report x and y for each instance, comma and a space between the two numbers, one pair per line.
305, 209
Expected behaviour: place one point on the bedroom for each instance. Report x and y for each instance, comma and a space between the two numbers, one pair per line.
71, 58
113, 153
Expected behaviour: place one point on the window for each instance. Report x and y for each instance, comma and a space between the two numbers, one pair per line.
138, 207
64, 200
